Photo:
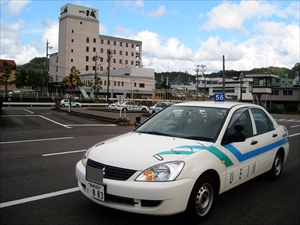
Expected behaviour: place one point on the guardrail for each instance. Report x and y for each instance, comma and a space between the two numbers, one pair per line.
31, 104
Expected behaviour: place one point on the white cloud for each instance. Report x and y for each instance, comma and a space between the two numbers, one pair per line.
15, 7
231, 16
161, 11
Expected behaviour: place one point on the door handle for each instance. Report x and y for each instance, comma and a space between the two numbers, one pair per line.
274, 135
253, 142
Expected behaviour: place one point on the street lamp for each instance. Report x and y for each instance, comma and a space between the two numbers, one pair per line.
109, 55
203, 66
197, 71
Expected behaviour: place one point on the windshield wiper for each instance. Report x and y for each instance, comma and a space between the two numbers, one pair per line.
199, 138
154, 132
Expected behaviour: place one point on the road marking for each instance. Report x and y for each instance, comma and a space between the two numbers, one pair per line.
28, 111
292, 135
62, 153
38, 197
91, 125
47, 139
295, 126
55, 122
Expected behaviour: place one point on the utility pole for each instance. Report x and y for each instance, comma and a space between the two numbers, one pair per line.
47, 64
109, 55
241, 80
95, 58
197, 71
203, 66
224, 75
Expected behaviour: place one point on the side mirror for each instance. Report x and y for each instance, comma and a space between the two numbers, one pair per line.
238, 135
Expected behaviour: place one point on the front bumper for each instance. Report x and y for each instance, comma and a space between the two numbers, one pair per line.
153, 198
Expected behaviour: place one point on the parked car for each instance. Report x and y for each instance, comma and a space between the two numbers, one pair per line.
113, 105
177, 161
159, 106
65, 103
132, 106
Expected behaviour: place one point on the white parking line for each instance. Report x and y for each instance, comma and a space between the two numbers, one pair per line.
28, 111
91, 125
38, 197
292, 135
62, 153
295, 126
55, 122
47, 139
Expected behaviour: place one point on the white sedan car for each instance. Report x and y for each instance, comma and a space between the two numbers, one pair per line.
159, 106
65, 103
131, 106
193, 159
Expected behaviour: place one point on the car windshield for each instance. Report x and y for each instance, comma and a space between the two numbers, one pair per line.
191, 122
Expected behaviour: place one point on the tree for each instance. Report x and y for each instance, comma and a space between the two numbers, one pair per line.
20, 78
96, 84
7, 72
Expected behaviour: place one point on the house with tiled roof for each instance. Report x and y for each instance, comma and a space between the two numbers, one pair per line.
10, 62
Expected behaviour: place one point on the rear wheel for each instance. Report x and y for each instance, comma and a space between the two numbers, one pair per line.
202, 198
276, 169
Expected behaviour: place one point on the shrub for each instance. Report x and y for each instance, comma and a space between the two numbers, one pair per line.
291, 108
277, 110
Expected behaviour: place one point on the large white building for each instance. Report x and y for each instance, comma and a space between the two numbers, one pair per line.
81, 45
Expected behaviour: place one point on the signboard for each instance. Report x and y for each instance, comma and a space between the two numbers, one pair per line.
80, 11
220, 97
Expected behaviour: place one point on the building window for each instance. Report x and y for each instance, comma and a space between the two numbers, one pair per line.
121, 44
275, 92
101, 68
87, 40
122, 83
115, 43
118, 83
108, 42
134, 84
142, 85
71, 51
86, 68
105, 83
132, 54
101, 59
72, 40
120, 61
71, 60
115, 83
126, 44
101, 41
126, 62
120, 52
86, 58
101, 50
132, 45
80, 22
72, 31
87, 49
94, 49
114, 51
94, 67
114, 60
94, 40
132, 63
126, 53
287, 92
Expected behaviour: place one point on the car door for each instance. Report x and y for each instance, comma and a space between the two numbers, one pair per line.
241, 156
266, 139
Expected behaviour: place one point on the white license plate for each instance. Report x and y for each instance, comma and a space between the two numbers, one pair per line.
96, 190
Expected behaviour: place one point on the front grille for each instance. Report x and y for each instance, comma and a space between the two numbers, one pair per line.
111, 172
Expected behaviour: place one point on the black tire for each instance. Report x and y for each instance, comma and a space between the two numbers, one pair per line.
277, 165
143, 109
77, 105
202, 198
62, 105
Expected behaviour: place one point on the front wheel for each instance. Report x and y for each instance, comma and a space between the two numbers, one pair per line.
276, 169
202, 198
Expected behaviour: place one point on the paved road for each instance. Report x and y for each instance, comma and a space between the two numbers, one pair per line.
39, 148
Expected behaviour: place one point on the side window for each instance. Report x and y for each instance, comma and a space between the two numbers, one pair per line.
242, 117
263, 123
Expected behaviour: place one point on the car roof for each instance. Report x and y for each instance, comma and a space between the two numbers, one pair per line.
214, 104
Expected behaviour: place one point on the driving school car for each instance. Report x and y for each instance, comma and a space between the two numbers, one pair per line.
202, 149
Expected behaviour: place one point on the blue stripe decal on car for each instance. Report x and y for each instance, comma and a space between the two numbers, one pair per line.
242, 157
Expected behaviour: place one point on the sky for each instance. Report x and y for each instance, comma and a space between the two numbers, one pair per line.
176, 35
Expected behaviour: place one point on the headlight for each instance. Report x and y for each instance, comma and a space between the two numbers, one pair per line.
86, 154
162, 172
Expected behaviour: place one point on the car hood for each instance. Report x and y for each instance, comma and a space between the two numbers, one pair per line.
139, 151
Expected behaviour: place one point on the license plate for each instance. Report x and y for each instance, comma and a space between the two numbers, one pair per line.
96, 190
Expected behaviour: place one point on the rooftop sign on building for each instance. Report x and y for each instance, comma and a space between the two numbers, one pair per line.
80, 11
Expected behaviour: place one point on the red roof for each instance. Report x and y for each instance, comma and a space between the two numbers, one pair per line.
10, 62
